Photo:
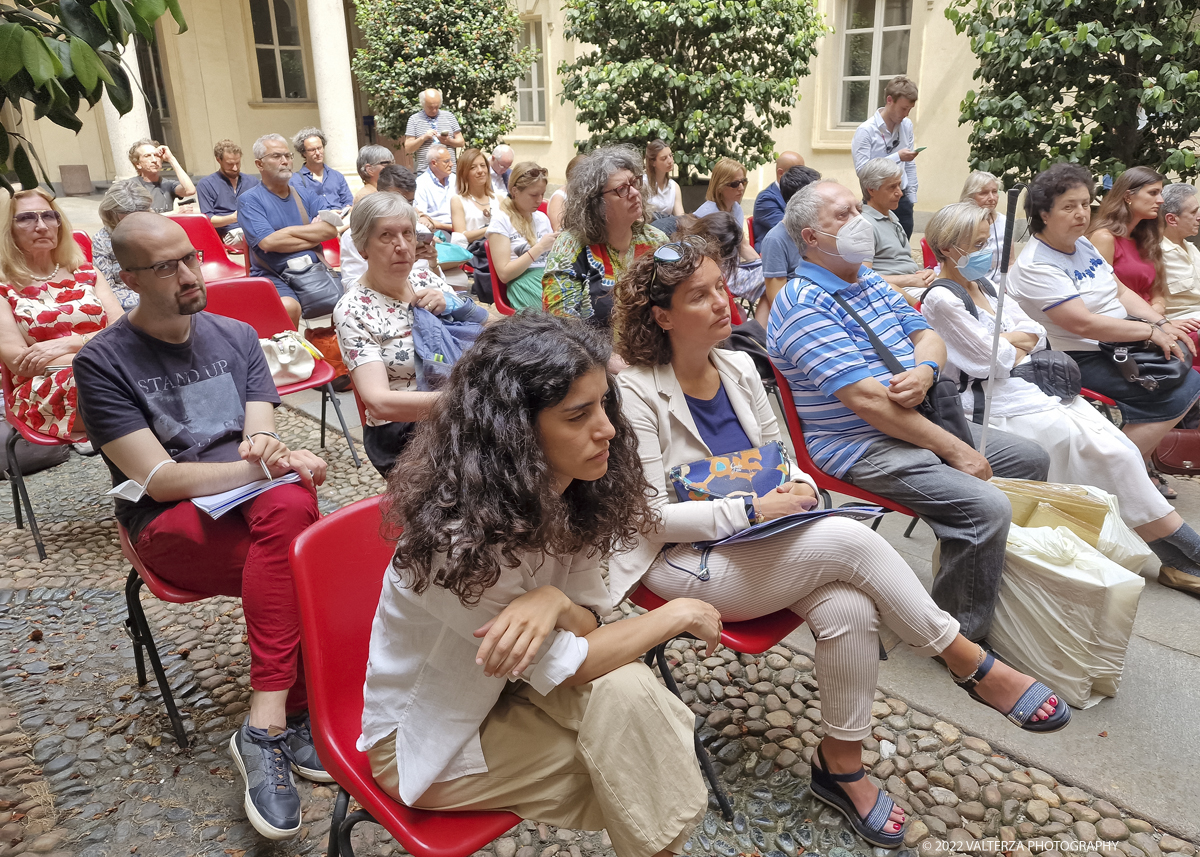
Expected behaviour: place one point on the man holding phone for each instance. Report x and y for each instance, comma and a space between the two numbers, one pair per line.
429, 125
888, 133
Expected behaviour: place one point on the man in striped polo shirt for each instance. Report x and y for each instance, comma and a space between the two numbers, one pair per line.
860, 422
431, 124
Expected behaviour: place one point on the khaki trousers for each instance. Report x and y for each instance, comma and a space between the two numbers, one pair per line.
616, 754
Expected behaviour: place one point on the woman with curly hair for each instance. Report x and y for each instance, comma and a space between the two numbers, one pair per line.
687, 400
492, 683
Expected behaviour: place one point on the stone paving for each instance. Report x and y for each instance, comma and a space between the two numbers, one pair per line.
88, 764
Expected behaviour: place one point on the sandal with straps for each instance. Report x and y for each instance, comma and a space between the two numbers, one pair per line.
1031, 700
825, 788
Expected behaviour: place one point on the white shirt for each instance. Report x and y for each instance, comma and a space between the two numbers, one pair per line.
474, 217
422, 680
662, 202
433, 196
502, 225
499, 182
1183, 278
1043, 278
969, 349
873, 140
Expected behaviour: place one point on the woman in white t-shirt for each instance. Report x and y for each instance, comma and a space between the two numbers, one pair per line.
983, 189
471, 207
665, 200
520, 236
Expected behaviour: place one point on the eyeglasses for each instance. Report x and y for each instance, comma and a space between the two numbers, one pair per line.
625, 191
278, 156
738, 183
383, 163
170, 267
29, 219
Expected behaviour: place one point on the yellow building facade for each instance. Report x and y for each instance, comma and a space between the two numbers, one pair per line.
251, 67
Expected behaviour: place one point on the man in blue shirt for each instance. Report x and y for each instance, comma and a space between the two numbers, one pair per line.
769, 204
860, 421
280, 222
779, 252
315, 176
218, 193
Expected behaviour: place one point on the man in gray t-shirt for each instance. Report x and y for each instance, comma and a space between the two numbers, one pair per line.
147, 157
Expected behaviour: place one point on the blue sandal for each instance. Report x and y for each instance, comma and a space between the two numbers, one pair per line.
825, 788
1034, 697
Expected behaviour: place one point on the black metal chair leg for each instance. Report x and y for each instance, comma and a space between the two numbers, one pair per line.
348, 827
337, 409
912, 525
133, 626
335, 822
14, 473
16, 500
326, 392
140, 631
706, 766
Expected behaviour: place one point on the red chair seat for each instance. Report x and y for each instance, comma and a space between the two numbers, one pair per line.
751, 637
1097, 397
162, 590
332, 251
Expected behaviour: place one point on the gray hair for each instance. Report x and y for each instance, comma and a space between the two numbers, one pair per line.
875, 172
503, 149
977, 181
1174, 196
260, 145
436, 150
371, 155
804, 212
954, 226
303, 134
584, 215
373, 207
123, 198
421, 97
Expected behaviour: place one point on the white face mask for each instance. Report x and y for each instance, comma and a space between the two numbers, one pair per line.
855, 240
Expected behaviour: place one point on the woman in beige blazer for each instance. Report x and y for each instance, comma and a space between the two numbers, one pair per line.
688, 400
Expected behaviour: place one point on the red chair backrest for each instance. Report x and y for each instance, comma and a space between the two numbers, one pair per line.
499, 289
215, 263
332, 250
795, 429
735, 312
85, 243
750, 229
253, 300
927, 255
543, 207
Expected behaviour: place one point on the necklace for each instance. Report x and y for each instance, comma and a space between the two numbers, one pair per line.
48, 277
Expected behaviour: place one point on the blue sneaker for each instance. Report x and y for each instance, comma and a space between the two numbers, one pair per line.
264, 758
304, 754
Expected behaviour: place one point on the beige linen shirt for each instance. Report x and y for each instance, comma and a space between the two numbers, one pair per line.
1183, 278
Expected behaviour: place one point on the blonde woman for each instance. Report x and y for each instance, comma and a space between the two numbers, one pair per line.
983, 189
726, 188
471, 207
665, 199
54, 303
520, 236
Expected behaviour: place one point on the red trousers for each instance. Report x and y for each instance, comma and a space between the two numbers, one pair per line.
243, 553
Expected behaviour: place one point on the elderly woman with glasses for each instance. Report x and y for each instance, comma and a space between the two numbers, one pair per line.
687, 401
604, 230
371, 160
122, 199
726, 187
55, 302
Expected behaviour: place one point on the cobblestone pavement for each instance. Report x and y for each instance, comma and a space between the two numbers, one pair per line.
88, 764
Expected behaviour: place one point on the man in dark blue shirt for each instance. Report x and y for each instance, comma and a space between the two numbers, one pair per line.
769, 204
316, 176
280, 222
218, 193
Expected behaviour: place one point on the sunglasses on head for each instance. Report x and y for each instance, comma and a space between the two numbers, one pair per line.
673, 253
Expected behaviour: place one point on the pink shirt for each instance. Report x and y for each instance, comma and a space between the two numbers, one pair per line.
1131, 269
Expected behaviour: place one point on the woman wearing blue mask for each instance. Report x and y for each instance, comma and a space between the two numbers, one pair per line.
1084, 447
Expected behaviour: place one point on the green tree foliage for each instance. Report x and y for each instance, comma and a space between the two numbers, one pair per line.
711, 78
466, 48
1108, 84
55, 54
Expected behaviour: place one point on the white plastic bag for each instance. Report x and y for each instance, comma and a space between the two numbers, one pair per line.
1117, 540
1065, 613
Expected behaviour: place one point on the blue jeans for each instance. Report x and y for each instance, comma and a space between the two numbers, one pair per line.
969, 516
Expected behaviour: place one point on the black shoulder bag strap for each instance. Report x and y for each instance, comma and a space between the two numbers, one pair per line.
964, 380
885, 354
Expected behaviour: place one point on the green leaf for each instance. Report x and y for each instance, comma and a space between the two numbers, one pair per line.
120, 93
87, 65
80, 21
120, 22
11, 38
23, 167
38, 60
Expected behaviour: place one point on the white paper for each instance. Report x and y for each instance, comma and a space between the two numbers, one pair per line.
217, 505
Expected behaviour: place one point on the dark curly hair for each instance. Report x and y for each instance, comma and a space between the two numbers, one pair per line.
473, 485
1048, 186
647, 284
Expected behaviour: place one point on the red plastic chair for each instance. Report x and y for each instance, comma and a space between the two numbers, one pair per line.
338, 564
927, 256
735, 312
332, 250
1103, 404
85, 243
825, 482
543, 207
139, 629
35, 437
750, 229
499, 289
255, 301
215, 263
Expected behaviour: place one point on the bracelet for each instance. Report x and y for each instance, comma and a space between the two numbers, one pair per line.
937, 370
1161, 322
1150, 338
268, 434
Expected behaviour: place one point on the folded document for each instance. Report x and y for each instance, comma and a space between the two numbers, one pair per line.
789, 522
217, 505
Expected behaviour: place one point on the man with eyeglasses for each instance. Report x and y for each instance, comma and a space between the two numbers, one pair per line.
435, 188
180, 403
281, 222
147, 157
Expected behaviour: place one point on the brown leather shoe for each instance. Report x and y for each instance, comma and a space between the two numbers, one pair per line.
1173, 578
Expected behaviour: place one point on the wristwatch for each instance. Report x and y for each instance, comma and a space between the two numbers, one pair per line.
937, 371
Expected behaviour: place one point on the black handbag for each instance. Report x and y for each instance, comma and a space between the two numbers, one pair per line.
941, 406
1142, 363
317, 287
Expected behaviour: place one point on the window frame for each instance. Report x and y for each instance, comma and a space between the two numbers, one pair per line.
277, 50
875, 79
530, 27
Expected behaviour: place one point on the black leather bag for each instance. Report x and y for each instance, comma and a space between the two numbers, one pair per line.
942, 405
1055, 373
1142, 363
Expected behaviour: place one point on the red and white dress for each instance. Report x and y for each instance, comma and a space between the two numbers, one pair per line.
52, 310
